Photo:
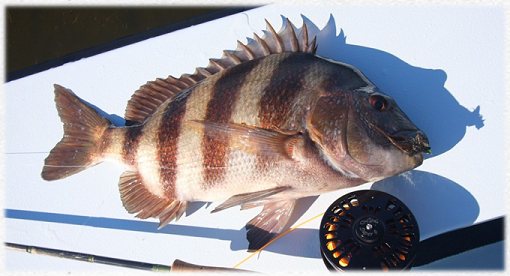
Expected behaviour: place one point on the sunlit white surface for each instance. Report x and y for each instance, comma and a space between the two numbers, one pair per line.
443, 65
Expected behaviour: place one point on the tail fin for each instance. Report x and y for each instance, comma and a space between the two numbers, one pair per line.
83, 129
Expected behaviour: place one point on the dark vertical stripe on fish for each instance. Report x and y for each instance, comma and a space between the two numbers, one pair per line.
131, 142
219, 109
279, 96
285, 84
168, 138
341, 77
106, 141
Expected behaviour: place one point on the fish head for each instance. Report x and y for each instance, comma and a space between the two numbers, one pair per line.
364, 134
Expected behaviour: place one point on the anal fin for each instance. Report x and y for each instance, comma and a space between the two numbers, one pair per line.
137, 198
268, 223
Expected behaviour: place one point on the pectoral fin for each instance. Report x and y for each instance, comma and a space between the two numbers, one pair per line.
248, 197
250, 139
269, 223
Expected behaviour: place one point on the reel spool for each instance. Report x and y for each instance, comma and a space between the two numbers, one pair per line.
368, 230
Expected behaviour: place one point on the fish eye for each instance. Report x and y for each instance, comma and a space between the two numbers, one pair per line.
378, 102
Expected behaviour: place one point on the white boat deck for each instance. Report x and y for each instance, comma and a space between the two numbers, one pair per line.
444, 65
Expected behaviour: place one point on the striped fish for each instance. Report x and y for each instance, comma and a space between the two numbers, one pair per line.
264, 125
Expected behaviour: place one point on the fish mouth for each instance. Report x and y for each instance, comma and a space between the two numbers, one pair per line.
409, 141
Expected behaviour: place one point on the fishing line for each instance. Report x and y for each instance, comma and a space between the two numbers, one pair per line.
279, 236
22, 153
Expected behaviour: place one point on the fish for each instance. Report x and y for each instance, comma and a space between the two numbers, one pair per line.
262, 126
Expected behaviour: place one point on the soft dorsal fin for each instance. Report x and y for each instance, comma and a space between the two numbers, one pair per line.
151, 95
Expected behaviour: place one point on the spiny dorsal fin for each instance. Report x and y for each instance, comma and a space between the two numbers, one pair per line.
151, 95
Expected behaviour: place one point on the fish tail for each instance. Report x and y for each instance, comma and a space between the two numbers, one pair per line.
80, 146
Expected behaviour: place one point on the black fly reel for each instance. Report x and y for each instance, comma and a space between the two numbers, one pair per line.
368, 230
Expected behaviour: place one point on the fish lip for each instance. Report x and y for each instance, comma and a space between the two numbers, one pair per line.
410, 141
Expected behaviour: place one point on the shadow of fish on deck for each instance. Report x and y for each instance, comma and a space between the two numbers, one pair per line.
416, 189
419, 92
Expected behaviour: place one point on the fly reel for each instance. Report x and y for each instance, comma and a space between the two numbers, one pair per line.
368, 230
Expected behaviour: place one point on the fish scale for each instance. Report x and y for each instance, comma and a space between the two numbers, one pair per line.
263, 125
224, 97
